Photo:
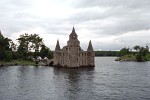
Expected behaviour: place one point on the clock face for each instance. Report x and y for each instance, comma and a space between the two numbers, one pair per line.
74, 37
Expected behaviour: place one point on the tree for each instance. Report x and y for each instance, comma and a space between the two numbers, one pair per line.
45, 52
36, 42
5, 48
142, 52
123, 51
23, 46
29, 45
137, 48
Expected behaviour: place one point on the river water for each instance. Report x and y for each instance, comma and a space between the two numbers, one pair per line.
109, 80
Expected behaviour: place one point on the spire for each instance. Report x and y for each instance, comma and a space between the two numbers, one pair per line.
73, 31
90, 47
57, 48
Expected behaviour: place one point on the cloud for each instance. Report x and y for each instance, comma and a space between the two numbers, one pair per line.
112, 3
129, 39
111, 23
115, 17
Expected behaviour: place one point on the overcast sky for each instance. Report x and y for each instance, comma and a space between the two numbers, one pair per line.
110, 24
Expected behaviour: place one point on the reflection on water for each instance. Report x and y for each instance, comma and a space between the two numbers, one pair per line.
74, 83
109, 80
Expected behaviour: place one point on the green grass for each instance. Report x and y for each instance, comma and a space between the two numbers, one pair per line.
131, 57
17, 62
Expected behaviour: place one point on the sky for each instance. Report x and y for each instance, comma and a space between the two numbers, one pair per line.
109, 24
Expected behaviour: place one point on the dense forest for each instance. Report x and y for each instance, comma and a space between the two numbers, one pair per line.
28, 47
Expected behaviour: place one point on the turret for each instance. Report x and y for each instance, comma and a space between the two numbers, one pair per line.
57, 54
90, 47
90, 55
57, 48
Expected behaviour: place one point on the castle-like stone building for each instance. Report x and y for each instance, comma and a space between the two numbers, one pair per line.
72, 55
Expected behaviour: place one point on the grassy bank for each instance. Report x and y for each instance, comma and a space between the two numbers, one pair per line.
128, 57
131, 57
17, 62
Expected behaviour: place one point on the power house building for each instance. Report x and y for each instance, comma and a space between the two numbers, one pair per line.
72, 55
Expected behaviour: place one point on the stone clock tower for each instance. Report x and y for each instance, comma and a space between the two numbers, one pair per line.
73, 49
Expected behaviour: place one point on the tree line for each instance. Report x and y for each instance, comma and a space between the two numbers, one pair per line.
106, 53
27, 47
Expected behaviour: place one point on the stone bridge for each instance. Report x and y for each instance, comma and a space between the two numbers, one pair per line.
46, 62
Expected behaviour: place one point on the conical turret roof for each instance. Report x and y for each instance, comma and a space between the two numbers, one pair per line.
57, 48
90, 47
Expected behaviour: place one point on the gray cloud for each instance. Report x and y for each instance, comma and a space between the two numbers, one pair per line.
113, 3
102, 18
125, 15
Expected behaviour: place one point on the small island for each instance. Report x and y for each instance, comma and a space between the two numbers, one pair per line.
137, 53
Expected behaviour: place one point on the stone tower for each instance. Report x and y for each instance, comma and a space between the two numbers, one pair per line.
90, 54
72, 55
